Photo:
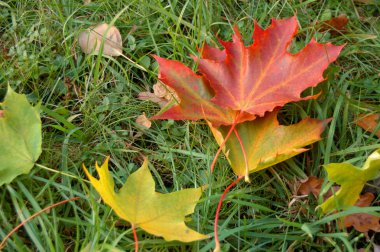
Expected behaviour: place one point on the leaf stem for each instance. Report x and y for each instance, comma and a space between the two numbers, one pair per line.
135, 238
221, 147
224, 142
2, 244
217, 243
244, 155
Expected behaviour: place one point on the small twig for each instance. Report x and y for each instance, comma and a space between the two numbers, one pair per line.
135, 237
217, 243
2, 244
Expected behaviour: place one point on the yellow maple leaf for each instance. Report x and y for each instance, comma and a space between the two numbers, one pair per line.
138, 203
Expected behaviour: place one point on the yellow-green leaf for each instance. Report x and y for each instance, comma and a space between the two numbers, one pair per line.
351, 180
266, 142
20, 135
138, 203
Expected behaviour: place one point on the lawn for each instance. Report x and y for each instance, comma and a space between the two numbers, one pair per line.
89, 106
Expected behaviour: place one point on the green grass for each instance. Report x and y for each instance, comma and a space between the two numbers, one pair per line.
90, 105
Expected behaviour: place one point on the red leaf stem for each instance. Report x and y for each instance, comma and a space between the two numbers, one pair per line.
217, 243
135, 238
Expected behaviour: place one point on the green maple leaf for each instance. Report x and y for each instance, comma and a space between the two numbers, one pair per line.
20, 134
351, 180
138, 203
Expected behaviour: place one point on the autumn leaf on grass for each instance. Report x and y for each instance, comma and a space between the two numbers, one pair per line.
311, 185
91, 40
246, 80
267, 142
20, 134
138, 203
162, 95
362, 222
369, 123
335, 25
195, 95
351, 180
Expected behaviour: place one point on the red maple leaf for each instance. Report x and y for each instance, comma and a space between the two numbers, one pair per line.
195, 94
239, 83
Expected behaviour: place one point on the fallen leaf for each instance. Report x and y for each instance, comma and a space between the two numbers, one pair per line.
369, 122
195, 94
351, 180
239, 83
143, 121
148, 96
162, 95
91, 40
311, 185
20, 134
266, 142
257, 78
335, 25
138, 203
362, 222
365, 199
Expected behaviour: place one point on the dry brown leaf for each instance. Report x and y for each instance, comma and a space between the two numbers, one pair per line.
161, 95
362, 222
148, 96
1, 113
365, 199
335, 25
369, 122
91, 40
311, 185
143, 121
159, 90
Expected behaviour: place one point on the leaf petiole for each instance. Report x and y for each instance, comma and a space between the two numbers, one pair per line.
135, 238
246, 176
224, 142
217, 243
